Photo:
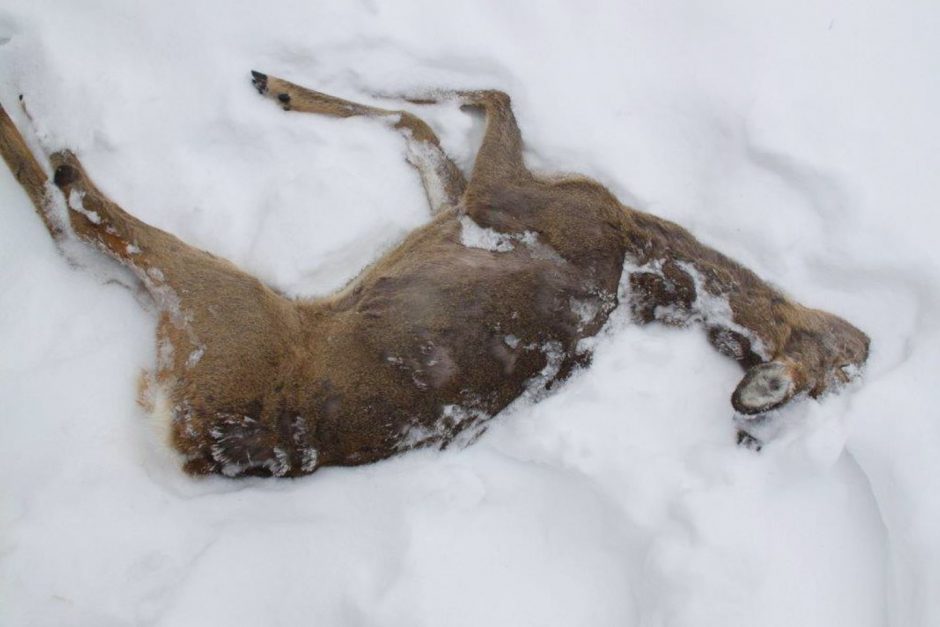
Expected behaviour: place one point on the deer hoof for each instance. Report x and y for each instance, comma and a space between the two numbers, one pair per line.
748, 441
260, 81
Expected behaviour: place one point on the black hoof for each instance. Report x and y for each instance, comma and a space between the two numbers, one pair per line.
260, 81
747, 440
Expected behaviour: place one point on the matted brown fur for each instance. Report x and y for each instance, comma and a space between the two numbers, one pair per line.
441, 333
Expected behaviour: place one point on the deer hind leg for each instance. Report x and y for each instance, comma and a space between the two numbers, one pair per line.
443, 182
499, 161
221, 335
28, 173
182, 279
93, 218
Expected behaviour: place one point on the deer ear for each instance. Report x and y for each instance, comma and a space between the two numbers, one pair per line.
765, 386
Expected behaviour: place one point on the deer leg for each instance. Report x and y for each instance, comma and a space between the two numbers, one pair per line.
443, 182
217, 325
92, 216
99, 221
499, 161
28, 173
182, 279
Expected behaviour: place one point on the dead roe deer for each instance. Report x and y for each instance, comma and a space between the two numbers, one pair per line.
486, 302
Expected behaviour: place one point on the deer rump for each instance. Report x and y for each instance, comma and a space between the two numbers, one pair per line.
488, 302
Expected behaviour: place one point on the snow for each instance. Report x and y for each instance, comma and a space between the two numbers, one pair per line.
800, 138
472, 235
76, 204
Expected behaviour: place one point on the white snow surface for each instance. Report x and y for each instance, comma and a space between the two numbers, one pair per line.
801, 138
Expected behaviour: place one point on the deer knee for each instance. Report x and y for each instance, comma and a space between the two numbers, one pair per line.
420, 131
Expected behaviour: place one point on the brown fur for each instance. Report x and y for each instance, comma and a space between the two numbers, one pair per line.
436, 337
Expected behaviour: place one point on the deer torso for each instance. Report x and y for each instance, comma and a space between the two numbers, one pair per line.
425, 346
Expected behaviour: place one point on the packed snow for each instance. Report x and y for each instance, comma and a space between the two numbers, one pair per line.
800, 138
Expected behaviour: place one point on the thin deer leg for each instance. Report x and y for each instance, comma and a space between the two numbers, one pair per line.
443, 182
28, 172
93, 217
499, 161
